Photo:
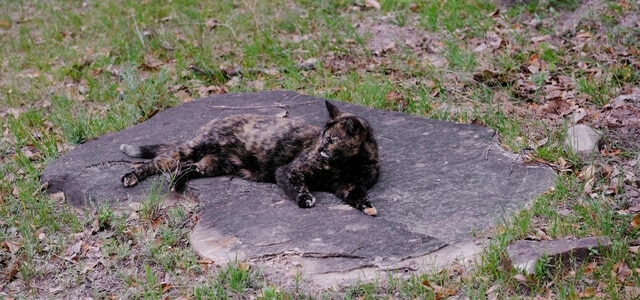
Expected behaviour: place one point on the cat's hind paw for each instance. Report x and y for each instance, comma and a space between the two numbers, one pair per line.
129, 179
306, 200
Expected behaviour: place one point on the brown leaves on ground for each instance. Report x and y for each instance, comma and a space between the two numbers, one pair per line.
439, 291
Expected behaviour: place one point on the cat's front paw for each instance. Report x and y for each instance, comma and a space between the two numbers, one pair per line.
129, 179
306, 200
368, 209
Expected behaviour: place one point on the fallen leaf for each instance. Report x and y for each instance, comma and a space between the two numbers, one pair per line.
12, 246
244, 266
621, 271
395, 100
491, 293
494, 13
631, 292
588, 292
211, 23
5, 23
58, 197
590, 267
72, 252
635, 222
166, 287
207, 261
56, 289
443, 292
307, 65
183, 96
89, 266
14, 266
372, 3
521, 278
537, 39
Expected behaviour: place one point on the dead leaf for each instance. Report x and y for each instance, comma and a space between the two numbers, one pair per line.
207, 91
244, 266
621, 271
211, 23
588, 292
372, 3
14, 266
89, 266
491, 293
5, 23
183, 96
631, 292
633, 249
58, 197
12, 246
635, 222
167, 18
395, 100
307, 65
256, 85
537, 39
166, 287
443, 292
587, 172
57, 289
521, 278
205, 260
73, 251
590, 267
562, 163
494, 13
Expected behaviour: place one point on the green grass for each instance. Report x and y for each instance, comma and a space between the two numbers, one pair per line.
71, 72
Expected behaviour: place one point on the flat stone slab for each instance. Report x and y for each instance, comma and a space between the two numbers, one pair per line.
440, 182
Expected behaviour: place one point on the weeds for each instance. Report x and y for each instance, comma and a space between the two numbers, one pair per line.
74, 71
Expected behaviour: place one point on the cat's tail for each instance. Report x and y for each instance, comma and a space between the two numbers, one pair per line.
147, 151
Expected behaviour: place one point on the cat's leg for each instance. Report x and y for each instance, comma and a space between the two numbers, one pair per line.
356, 196
208, 166
293, 182
166, 162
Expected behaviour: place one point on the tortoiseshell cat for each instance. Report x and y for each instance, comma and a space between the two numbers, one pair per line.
341, 158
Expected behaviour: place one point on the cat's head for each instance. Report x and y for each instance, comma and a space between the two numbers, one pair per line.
343, 135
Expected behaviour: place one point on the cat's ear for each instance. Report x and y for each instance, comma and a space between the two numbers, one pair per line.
352, 126
334, 112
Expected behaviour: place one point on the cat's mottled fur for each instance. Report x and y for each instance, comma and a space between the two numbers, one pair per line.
341, 158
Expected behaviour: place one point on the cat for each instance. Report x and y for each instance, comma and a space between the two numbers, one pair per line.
341, 158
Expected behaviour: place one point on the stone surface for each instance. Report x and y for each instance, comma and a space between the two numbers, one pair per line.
525, 255
582, 140
440, 182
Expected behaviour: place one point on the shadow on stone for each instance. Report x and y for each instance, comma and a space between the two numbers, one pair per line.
440, 182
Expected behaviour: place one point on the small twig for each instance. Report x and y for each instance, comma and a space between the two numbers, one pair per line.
135, 22
485, 153
514, 163
252, 8
230, 29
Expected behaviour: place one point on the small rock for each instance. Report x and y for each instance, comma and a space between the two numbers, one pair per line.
135, 206
525, 254
582, 140
309, 64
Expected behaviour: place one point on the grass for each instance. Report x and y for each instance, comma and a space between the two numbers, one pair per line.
71, 72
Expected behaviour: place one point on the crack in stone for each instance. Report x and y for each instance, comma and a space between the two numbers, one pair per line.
108, 163
307, 254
